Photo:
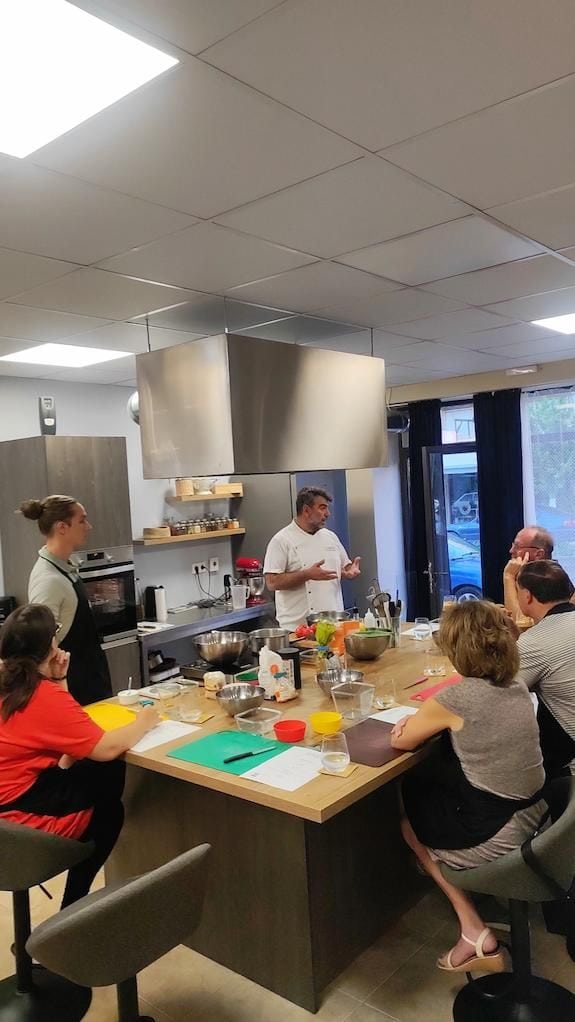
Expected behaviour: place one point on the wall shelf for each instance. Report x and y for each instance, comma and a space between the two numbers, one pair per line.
205, 536
205, 496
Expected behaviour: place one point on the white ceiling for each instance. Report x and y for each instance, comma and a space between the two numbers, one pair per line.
395, 178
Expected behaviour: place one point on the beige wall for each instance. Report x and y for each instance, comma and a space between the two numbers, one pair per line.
458, 386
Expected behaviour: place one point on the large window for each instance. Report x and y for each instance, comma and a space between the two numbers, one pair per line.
549, 467
457, 423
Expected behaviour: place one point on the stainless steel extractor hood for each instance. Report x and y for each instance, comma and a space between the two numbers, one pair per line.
235, 404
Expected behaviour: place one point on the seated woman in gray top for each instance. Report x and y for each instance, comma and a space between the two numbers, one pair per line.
482, 797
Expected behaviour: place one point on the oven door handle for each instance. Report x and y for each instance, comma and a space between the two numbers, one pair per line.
97, 573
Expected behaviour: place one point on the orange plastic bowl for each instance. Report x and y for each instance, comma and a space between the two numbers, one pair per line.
290, 730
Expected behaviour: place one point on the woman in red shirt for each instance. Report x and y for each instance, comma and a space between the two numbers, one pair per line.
59, 771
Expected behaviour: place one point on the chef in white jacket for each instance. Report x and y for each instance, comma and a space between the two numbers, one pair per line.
305, 562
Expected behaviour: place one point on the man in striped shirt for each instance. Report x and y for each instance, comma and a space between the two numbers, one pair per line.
547, 658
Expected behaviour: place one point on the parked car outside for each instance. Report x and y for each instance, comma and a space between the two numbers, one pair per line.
464, 568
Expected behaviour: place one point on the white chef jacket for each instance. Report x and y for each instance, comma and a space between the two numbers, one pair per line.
292, 549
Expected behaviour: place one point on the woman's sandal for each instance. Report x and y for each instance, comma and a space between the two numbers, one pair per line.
492, 961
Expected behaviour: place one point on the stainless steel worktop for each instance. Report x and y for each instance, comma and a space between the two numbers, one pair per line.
199, 619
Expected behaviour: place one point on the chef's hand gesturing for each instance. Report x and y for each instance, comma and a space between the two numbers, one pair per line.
351, 570
318, 574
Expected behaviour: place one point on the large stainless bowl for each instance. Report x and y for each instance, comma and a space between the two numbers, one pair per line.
238, 697
327, 679
366, 647
328, 615
221, 649
273, 638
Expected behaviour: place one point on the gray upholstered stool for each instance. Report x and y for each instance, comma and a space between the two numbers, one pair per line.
109, 936
29, 857
521, 997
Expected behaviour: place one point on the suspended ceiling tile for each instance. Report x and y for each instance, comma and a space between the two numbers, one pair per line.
466, 244
391, 308
451, 325
132, 337
208, 258
550, 218
356, 344
364, 202
312, 287
196, 141
507, 152
540, 306
380, 72
397, 376
91, 292
386, 344
20, 271
454, 361
488, 339
42, 324
529, 350
300, 330
511, 280
214, 315
58, 216
189, 24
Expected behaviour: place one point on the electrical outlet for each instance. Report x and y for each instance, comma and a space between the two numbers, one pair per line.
214, 564
199, 568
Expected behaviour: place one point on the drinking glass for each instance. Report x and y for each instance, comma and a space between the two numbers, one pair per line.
189, 703
448, 601
387, 696
168, 696
422, 629
334, 753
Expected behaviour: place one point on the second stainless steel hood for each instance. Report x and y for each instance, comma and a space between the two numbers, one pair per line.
233, 404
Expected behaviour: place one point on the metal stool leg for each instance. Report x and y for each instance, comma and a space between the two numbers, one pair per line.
128, 1010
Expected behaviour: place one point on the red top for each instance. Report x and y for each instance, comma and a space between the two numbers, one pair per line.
35, 738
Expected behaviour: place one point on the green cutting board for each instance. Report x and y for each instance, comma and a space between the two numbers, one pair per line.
213, 749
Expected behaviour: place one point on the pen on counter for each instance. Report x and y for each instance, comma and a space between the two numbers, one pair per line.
418, 682
245, 755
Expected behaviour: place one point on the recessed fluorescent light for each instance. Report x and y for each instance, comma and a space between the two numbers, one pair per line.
522, 371
61, 65
69, 356
562, 324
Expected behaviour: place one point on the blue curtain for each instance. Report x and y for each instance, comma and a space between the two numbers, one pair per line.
424, 431
499, 481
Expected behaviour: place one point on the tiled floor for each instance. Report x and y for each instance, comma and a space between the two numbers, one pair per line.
394, 979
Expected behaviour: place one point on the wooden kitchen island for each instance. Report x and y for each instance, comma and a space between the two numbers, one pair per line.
300, 882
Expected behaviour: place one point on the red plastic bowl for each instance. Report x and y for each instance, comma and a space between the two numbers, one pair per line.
289, 730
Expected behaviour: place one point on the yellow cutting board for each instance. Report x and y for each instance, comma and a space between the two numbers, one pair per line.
110, 716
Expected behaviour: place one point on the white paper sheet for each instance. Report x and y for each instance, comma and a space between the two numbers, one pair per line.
394, 714
288, 771
167, 731
410, 632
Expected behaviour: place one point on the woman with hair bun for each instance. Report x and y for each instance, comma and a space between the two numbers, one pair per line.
55, 582
60, 771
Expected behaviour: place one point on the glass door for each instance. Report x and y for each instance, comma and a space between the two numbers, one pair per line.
452, 523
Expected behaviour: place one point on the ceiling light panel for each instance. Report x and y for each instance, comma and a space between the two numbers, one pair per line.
67, 355
561, 324
60, 66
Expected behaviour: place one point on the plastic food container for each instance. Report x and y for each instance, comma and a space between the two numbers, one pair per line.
326, 722
259, 721
353, 699
290, 730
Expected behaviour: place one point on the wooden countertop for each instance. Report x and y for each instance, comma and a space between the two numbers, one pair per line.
325, 796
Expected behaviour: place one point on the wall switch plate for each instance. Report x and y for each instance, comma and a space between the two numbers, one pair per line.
214, 564
47, 411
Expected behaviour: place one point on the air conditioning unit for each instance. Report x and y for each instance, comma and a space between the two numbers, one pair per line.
397, 422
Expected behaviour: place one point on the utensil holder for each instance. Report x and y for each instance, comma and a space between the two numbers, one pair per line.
395, 640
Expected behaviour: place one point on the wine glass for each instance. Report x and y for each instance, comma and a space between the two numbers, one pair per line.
335, 754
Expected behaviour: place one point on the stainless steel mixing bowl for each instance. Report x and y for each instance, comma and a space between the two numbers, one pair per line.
366, 647
327, 679
240, 696
221, 649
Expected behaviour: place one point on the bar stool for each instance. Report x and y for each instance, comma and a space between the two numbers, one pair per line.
111, 935
29, 857
519, 996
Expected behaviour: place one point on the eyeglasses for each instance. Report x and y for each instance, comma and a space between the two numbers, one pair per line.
58, 628
525, 546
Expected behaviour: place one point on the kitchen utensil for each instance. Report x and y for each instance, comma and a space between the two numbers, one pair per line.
353, 699
240, 592
273, 638
290, 730
246, 755
335, 753
128, 696
367, 645
328, 615
325, 722
328, 679
221, 649
238, 697
259, 721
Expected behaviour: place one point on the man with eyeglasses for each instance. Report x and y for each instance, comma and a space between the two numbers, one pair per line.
532, 543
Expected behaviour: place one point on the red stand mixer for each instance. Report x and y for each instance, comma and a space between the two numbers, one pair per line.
249, 570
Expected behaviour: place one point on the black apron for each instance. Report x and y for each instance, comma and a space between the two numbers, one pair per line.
557, 746
88, 672
447, 812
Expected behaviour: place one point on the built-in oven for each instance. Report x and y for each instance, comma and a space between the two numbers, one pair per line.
109, 580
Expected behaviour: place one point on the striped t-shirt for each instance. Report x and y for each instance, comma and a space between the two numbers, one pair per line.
547, 665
